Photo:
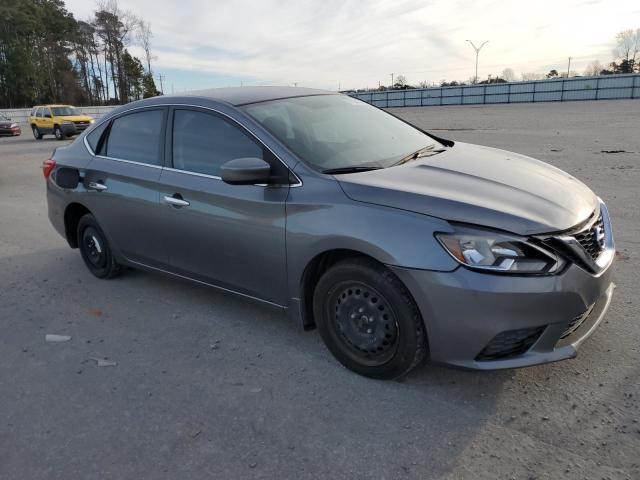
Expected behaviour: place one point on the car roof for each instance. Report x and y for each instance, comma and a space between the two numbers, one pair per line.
243, 95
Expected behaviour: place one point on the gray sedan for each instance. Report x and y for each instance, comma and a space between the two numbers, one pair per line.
396, 244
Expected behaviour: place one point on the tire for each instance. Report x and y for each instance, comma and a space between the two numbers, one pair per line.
368, 319
95, 250
57, 131
36, 132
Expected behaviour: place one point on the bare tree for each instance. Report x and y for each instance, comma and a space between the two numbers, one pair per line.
593, 69
144, 37
401, 81
508, 74
115, 27
627, 45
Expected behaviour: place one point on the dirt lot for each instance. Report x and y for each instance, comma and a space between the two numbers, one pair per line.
210, 386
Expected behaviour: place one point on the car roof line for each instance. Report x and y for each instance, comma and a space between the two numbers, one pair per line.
284, 98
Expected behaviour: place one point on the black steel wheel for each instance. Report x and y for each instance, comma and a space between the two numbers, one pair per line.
365, 321
368, 319
94, 248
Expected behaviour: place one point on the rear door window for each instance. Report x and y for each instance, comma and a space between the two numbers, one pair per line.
136, 137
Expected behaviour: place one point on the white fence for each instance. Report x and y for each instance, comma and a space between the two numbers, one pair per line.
20, 115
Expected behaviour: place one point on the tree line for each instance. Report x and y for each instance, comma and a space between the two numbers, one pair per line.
47, 56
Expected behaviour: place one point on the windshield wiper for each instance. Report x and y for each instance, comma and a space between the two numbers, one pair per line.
337, 171
423, 152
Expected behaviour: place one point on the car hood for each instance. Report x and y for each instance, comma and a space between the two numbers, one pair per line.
479, 185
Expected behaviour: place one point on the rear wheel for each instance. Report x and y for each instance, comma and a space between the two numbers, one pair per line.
368, 319
36, 132
95, 250
57, 131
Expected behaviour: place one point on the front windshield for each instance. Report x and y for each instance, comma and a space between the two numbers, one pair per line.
336, 131
64, 111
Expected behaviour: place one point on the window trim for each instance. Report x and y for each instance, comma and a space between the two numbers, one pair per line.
107, 130
166, 106
170, 134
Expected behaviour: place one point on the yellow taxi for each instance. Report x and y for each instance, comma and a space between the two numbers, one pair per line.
60, 120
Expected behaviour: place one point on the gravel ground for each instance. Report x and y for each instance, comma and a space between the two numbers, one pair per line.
209, 386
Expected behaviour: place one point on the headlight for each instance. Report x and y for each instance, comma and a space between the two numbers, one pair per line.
498, 252
67, 122
92, 120
13, 125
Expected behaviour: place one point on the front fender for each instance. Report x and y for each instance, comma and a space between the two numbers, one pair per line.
320, 218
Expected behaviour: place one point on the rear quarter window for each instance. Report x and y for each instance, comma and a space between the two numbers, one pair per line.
94, 136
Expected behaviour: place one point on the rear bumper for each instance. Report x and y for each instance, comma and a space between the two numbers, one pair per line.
464, 311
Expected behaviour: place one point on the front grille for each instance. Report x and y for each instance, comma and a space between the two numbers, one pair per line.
81, 123
576, 323
510, 343
592, 238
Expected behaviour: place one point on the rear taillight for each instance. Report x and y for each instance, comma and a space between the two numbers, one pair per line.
47, 167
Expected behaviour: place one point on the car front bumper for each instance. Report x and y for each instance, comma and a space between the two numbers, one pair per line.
74, 128
465, 311
10, 131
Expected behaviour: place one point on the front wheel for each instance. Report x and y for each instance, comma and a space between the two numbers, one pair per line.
368, 319
95, 250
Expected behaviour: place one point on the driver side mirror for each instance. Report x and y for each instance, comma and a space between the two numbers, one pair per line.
245, 171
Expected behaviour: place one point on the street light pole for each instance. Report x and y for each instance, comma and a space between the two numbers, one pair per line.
477, 49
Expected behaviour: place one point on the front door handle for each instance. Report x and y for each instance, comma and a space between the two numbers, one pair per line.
100, 187
176, 202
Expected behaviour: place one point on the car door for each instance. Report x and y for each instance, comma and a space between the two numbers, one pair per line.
47, 120
232, 236
122, 183
40, 120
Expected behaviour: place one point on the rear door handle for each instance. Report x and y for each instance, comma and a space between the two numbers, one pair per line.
100, 187
176, 202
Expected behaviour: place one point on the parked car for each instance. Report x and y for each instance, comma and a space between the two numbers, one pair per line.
9, 127
396, 244
60, 120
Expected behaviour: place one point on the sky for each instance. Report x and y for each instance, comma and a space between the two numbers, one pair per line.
350, 44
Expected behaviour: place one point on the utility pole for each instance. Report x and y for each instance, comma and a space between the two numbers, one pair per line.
569, 67
477, 49
161, 78
392, 80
